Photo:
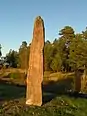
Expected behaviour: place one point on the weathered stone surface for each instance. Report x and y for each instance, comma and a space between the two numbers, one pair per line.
35, 71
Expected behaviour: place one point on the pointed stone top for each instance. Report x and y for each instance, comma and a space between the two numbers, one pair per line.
39, 18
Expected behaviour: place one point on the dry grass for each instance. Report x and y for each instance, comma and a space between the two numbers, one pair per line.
49, 76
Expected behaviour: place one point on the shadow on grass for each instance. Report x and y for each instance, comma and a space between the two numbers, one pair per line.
63, 87
53, 89
10, 91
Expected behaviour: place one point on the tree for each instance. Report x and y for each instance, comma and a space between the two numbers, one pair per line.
84, 33
24, 55
12, 58
0, 51
67, 33
78, 53
48, 50
24, 44
56, 63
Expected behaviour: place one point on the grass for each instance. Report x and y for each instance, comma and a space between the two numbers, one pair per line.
10, 91
56, 100
60, 106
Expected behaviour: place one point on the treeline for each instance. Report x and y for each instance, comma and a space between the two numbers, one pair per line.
66, 53
19, 59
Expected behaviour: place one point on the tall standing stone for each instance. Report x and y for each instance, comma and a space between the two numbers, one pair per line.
35, 71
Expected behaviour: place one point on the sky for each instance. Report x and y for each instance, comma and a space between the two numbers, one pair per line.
17, 19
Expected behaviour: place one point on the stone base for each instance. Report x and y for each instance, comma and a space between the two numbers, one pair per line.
30, 103
34, 96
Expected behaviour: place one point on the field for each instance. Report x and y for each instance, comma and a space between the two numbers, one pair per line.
57, 98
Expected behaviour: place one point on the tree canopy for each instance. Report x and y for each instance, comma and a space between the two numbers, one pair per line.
66, 53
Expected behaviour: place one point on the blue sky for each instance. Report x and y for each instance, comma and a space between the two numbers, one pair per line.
17, 19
